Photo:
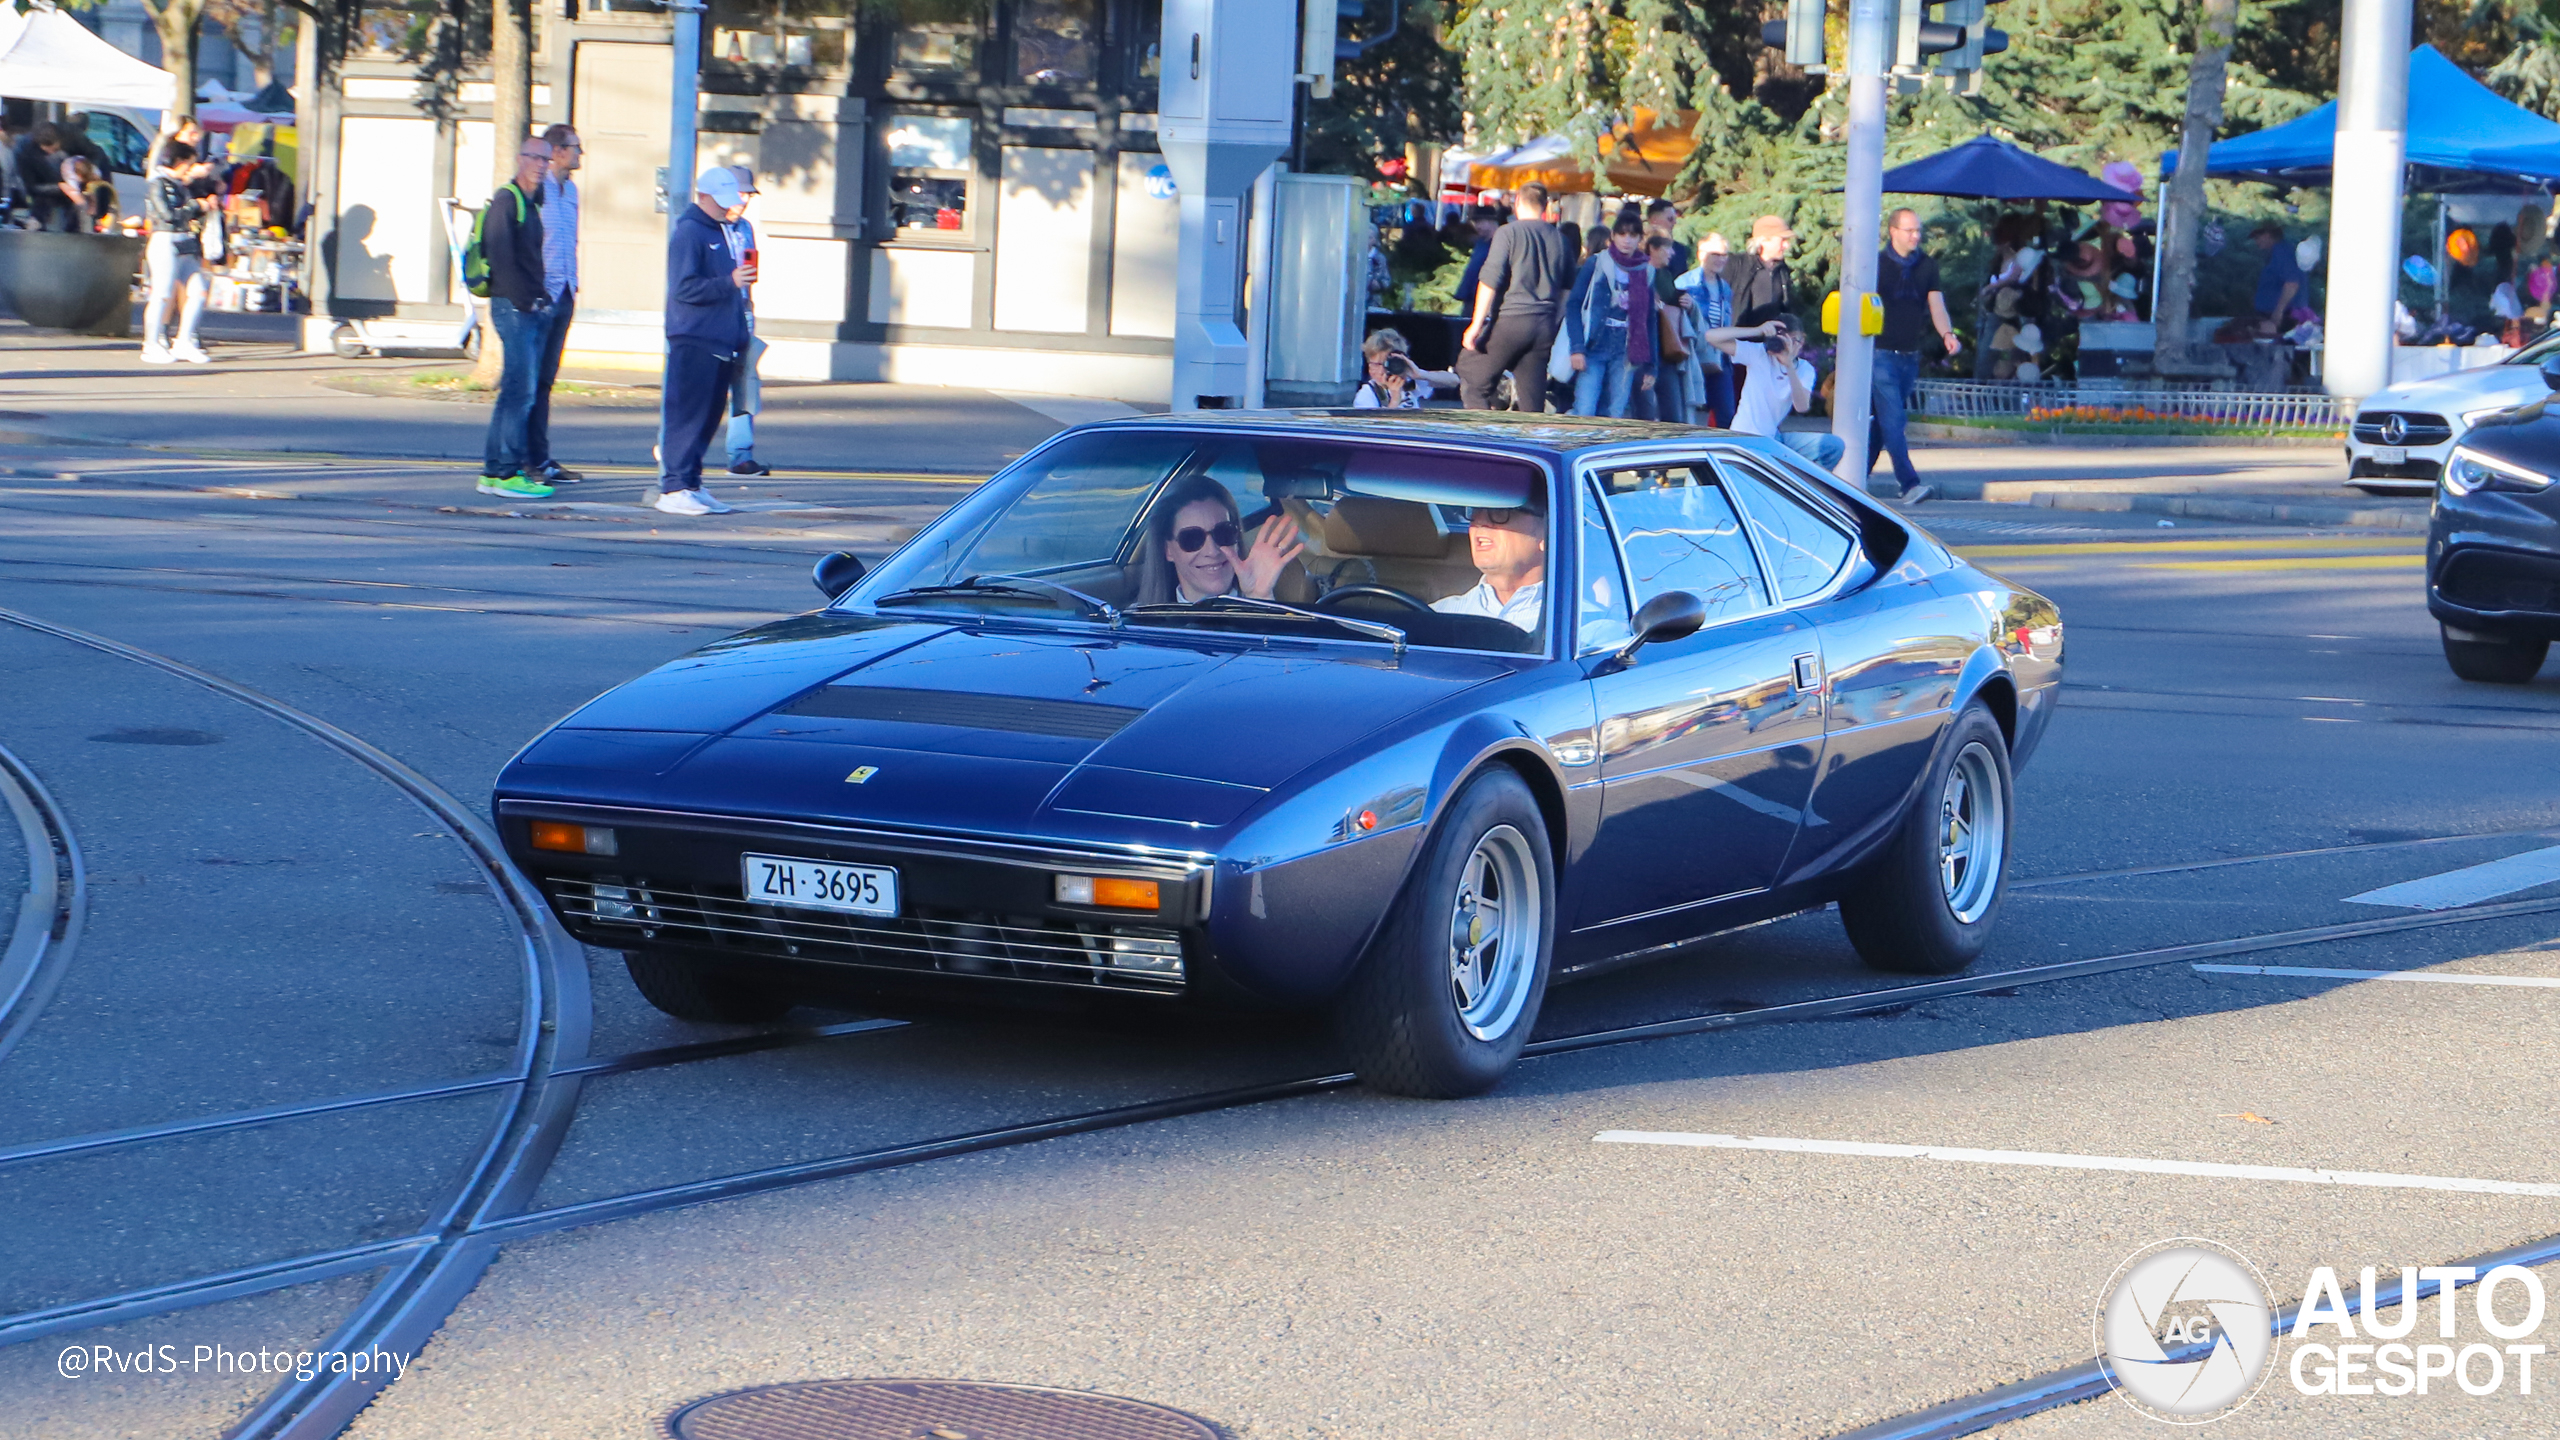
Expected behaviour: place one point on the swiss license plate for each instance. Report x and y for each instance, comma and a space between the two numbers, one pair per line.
821, 885
2391, 454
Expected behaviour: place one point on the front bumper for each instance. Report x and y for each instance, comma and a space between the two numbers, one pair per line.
2493, 590
975, 910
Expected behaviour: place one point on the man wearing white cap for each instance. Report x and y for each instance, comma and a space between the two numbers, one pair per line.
706, 330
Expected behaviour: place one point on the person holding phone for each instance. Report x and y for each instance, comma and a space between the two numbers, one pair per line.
1778, 345
706, 329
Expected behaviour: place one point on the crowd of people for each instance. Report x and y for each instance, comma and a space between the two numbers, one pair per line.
1627, 321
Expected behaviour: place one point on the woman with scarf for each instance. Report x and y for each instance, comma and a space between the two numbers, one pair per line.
1609, 323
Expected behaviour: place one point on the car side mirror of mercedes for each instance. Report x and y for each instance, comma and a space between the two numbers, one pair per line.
2551, 372
1671, 615
836, 573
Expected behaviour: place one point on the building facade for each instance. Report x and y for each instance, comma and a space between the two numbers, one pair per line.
954, 191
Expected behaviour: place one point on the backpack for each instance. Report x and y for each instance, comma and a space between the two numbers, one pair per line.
475, 255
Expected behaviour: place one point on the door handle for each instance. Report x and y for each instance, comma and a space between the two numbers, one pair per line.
1808, 672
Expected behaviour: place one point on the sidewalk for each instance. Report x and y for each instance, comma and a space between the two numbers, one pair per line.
2297, 485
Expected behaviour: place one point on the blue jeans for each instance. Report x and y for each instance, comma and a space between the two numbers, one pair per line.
1601, 386
525, 334
1897, 376
537, 425
1819, 446
1718, 410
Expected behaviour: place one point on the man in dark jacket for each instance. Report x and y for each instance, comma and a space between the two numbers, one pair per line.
1763, 286
520, 309
706, 329
1519, 303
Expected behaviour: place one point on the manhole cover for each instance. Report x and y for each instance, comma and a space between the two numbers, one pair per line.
928, 1410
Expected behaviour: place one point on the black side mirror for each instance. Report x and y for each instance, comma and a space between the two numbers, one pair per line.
836, 573
1671, 615
2551, 372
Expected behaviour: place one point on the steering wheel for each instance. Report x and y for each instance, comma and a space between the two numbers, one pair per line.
1383, 592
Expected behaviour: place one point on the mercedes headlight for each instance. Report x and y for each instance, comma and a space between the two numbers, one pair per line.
2470, 470
2474, 417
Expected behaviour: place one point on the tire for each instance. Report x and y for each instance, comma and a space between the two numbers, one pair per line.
2495, 661
1927, 906
343, 341
471, 344
1431, 1014
702, 990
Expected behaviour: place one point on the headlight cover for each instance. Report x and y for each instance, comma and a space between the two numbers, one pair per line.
2469, 470
2474, 417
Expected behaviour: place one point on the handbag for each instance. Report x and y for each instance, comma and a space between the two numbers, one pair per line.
1675, 344
212, 236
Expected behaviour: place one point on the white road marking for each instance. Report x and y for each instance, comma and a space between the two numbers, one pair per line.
2077, 1162
2313, 972
1067, 409
2469, 885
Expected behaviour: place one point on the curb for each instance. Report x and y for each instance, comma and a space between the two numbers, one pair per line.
2213, 507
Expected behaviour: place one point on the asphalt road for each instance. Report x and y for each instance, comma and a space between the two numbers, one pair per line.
2258, 728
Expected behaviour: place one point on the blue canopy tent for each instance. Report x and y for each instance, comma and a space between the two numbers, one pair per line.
2462, 138
1983, 168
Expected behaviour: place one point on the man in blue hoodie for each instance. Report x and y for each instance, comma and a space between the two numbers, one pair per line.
706, 328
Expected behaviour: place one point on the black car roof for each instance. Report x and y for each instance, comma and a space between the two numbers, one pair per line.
1556, 435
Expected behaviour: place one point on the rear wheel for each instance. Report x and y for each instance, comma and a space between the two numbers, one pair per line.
343, 340
1452, 987
1927, 906
2493, 659
692, 988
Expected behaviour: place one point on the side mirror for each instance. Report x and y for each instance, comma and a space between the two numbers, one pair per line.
2551, 372
836, 573
1671, 615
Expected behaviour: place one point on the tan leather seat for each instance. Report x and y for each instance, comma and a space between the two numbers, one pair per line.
1401, 544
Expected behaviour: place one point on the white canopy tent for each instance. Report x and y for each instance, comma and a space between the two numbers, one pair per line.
47, 55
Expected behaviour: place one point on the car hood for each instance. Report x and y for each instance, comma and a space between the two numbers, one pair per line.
2449, 395
983, 726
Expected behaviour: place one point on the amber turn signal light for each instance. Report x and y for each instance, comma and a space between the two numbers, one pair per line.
572, 839
1107, 891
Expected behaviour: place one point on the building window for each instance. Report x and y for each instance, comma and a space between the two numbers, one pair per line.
1055, 42
1141, 32
930, 162
403, 28
781, 34
936, 39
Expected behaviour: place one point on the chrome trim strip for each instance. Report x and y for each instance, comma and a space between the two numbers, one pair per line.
1673, 909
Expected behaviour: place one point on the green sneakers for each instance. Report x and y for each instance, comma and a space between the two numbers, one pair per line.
514, 487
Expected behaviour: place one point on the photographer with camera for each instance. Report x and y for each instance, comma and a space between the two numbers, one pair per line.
1395, 382
1781, 381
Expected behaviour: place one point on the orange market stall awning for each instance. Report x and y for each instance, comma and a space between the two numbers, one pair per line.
1643, 154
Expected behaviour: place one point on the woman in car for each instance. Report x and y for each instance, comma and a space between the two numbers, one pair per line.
1195, 548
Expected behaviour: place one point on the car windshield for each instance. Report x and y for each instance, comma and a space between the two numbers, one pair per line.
1245, 534
2537, 352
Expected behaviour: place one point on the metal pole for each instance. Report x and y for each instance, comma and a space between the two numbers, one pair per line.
684, 105
2367, 175
1257, 293
1871, 30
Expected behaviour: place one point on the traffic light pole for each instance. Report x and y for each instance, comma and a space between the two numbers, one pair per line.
2365, 195
1871, 36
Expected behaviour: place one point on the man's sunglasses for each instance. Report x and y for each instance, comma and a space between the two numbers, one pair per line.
1224, 534
1492, 516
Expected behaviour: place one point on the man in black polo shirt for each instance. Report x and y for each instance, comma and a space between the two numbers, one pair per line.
1907, 283
1520, 297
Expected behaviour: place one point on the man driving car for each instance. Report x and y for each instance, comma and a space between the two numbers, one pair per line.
1509, 545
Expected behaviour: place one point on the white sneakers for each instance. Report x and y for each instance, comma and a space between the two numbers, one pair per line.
158, 355
190, 352
691, 502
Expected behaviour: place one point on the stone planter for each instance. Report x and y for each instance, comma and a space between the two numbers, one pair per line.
61, 281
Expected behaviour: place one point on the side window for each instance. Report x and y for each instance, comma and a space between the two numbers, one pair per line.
1604, 623
125, 148
1679, 531
1804, 548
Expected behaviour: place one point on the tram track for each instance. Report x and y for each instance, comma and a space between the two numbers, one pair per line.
47, 927
429, 1271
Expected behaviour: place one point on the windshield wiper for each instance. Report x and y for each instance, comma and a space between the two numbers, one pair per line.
1246, 604
1001, 585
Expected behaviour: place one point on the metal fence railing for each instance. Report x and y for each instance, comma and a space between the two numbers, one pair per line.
2104, 404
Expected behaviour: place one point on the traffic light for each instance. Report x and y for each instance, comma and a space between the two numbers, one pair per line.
1958, 39
1800, 34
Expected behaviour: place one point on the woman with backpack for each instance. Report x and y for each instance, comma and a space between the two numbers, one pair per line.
173, 258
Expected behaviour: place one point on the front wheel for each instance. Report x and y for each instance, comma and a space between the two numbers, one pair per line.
1927, 906
2493, 659
1452, 986
691, 988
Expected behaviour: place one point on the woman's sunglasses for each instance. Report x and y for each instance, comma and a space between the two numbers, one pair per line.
1224, 533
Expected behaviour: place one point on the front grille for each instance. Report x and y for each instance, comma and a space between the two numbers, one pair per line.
2419, 428
1012, 947
1072, 719
2499, 580
2426, 470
